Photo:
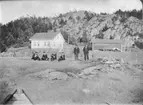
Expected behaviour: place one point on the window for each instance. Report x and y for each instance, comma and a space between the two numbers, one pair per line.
45, 44
53, 44
34, 43
37, 43
48, 44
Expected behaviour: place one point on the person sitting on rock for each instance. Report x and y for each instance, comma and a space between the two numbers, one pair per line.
62, 57
33, 56
44, 57
37, 57
54, 57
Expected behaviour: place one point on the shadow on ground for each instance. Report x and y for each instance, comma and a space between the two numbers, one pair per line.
138, 96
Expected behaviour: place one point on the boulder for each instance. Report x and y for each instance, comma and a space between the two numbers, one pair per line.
88, 70
91, 70
57, 76
42, 74
70, 74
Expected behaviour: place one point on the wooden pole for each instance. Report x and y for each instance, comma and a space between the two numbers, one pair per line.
142, 10
68, 39
27, 97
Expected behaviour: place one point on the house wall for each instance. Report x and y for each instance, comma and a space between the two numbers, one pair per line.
59, 42
56, 43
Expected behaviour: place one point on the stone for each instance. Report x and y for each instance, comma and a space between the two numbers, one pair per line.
57, 76
86, 91
89, 70
115, 66
70, 74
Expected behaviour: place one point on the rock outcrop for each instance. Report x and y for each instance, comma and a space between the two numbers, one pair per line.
109, 26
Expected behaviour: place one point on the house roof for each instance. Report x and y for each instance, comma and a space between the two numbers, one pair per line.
44, 36
106, 41
97, 46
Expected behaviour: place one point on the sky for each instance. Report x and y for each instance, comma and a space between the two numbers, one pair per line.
11, 10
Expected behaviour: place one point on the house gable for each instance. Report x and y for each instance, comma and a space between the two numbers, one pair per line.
59, 37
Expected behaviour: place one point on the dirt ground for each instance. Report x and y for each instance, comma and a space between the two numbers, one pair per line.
115, 87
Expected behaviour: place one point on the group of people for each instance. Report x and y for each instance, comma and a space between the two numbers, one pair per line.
45, 57
53, 56
85, 52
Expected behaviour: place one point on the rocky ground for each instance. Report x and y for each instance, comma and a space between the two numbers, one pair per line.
104, 81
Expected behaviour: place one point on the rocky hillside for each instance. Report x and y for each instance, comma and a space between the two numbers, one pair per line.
81, 26
106, 27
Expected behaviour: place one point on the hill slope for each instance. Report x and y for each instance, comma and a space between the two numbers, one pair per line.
80, 25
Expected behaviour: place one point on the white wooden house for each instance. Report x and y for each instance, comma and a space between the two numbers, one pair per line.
47, 41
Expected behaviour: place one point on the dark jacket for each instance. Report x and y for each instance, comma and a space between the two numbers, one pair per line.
76, 50
44, 57
86, 50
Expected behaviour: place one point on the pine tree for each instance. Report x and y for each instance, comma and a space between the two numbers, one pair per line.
142, 8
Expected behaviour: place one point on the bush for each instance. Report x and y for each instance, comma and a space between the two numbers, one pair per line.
139, 44
105, 28
123, 19
100, 36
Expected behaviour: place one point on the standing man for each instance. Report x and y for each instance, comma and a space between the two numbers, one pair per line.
86, 52
76, 52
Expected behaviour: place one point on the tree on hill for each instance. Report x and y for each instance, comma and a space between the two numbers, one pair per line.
88, 15
2, 47
100, 35
84, 38
19, 31
65, 35
72, 40
142, 8
126, 14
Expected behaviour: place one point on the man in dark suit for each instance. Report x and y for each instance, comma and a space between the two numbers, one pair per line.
76, 52
86, 52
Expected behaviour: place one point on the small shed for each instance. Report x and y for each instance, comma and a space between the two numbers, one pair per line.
106, 44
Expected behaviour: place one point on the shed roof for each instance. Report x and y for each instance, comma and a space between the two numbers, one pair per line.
106, 41
44, 36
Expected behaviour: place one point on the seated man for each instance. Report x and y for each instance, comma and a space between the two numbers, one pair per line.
62, 57
47, 58
36, 57
44, 57
33, 56
53, 57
